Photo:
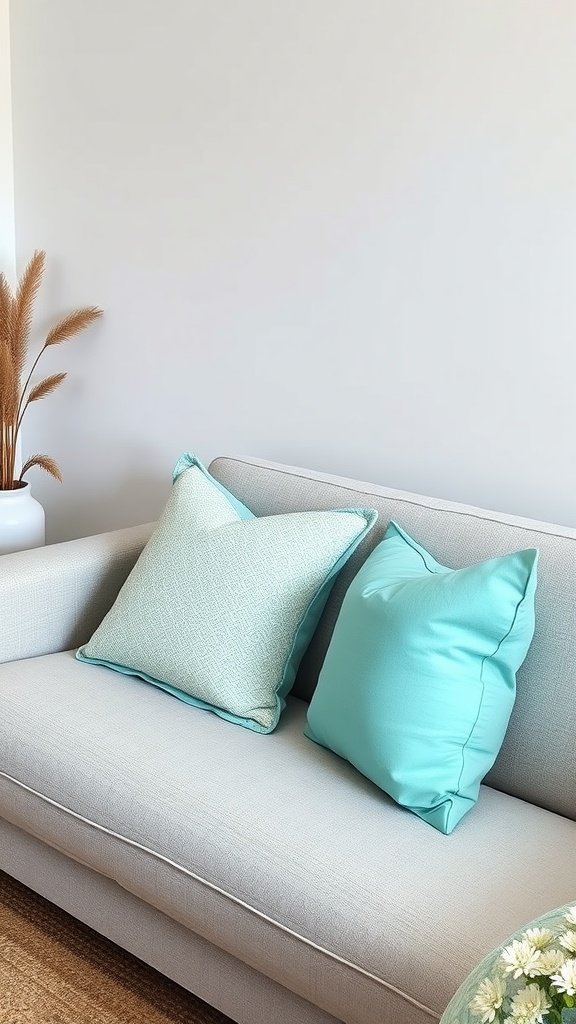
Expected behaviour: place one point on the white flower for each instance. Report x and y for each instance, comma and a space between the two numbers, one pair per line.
551, 961
570, 917
538, 937
528, 1006
520, 957
565, 979
568, 941
488, 999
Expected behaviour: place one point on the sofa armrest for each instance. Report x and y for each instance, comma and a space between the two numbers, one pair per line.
53, 598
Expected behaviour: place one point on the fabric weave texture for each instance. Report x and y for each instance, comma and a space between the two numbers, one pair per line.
221, 605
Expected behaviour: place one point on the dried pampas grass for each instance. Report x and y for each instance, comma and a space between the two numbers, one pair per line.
17, 392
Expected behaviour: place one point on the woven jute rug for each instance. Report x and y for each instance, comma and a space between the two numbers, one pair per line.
55, 970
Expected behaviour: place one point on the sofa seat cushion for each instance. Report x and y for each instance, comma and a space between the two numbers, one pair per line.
270, 846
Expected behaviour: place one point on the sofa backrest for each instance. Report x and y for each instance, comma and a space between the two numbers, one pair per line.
537, 761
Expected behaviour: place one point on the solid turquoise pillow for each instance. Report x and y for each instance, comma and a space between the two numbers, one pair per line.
221, 605
419, 679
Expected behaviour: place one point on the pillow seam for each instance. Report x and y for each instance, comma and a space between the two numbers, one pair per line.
488, 657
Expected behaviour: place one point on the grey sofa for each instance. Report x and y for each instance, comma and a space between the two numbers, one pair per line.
262, 872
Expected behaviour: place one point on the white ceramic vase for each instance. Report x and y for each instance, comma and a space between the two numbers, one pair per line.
21, 520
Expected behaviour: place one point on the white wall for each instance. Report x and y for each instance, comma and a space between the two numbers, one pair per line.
7, 241
336, 233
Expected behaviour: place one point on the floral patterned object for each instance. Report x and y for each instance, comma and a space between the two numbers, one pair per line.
531, 979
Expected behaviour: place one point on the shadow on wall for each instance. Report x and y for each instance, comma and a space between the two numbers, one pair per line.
138, 498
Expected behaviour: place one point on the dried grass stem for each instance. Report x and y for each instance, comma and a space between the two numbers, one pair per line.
16, 313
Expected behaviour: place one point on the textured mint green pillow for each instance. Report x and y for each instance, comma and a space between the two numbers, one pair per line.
221, 605
419, 680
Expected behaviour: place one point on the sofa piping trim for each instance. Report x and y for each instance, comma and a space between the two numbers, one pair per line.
407, 498
234, 899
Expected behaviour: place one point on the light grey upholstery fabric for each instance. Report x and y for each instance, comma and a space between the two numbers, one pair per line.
284, 863
537, 760
270, 847
245, 995
52, 598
